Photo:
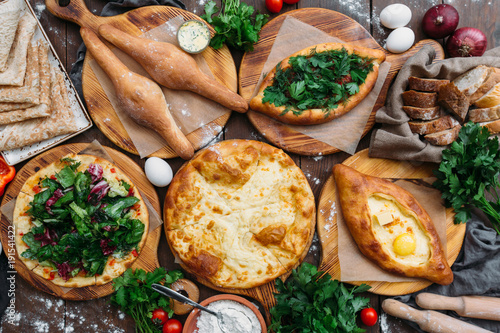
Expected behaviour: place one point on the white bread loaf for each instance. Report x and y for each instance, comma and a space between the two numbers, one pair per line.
484, 114
490, 99
471, 80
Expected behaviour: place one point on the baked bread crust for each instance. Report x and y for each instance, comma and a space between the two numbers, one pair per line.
419, 99
317, 116
428, 85
445, 137
239, 214
355, 189
22, 222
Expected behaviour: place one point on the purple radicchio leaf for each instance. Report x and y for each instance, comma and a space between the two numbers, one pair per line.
48, 237
106, 248
64, 270
98, 192
52, 200
95, 171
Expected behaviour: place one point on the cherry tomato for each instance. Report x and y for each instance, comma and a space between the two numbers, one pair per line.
160, 317
291, 2
172, 326
274, 6
369, 316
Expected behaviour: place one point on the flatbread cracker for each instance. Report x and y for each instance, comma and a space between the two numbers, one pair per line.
30, 92
16, 63
61, 121
42, 109
14, 106
10, 10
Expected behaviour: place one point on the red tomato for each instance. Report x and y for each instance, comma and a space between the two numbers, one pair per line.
172, 326
291, 2
274, 6
160, 317
369, 316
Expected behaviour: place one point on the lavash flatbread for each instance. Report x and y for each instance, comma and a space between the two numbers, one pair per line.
42, 109
61, 121
10, 10
30, 92
14, 106
16, 62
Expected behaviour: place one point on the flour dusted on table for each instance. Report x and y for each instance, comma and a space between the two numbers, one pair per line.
238, 318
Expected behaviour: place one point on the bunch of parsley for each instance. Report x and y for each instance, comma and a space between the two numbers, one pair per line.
134, 295
320, 80
234, 24
312, 302
470, 169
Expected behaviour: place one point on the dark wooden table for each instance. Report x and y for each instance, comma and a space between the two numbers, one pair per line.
39, 312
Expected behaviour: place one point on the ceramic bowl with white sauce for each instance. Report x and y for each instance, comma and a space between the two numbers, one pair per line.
245, 315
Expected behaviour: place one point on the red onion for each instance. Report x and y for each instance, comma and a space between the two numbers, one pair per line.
440, 21
466, 42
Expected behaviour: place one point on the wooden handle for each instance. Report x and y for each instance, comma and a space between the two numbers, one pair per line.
76, 11
467, 306
429, 321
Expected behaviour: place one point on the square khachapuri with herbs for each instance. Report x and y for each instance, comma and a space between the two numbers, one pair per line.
79, 222
318, 83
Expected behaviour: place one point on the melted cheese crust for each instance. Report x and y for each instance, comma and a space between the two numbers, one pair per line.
403, 221
239, 214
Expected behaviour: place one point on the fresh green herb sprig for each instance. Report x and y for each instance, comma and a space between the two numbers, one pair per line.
312, 302
320, 80
134, 295
234, 24
469, 169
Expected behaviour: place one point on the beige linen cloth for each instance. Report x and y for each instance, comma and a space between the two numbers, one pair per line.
394, 138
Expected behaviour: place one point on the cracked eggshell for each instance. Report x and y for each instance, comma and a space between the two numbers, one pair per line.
158, 171
400, 40
395, 16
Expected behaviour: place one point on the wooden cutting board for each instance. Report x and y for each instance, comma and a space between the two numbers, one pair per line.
337, 25
136, 22
147, 259
327, 217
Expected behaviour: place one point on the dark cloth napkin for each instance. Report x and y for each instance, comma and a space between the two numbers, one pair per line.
394, 139
476, 272
113, 8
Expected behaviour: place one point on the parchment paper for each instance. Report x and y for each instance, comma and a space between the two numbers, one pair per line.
345, 132
189, 110
354, 266
95, 149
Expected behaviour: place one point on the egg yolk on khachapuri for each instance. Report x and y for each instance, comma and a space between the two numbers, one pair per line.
398, 230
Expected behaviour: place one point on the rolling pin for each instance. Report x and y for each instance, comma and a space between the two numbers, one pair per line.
481, 307
429, 321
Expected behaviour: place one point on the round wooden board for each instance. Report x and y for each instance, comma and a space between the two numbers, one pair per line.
337, 25
264, 293
147, 259
136, 22
327, 226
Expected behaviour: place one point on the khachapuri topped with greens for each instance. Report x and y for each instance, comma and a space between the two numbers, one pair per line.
79, 222
318, 83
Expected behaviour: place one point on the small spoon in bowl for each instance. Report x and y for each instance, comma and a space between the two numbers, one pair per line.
223, 322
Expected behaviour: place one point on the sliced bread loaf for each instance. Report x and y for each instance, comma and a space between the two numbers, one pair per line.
423, 113
429, 85
432, 126
493, 126
484, 114
445, 137
471, 80
419, 99
454, 101
490, 99
490, 82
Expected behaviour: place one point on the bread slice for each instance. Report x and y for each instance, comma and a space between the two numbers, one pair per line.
484, 114
423, 113
454, 101
419, 99
471, 80
493, 126
490, 99
490, 82
445, 137
428, 85
432, 126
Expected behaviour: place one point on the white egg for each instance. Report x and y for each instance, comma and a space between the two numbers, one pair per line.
395, 16
158, 171
400, 40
